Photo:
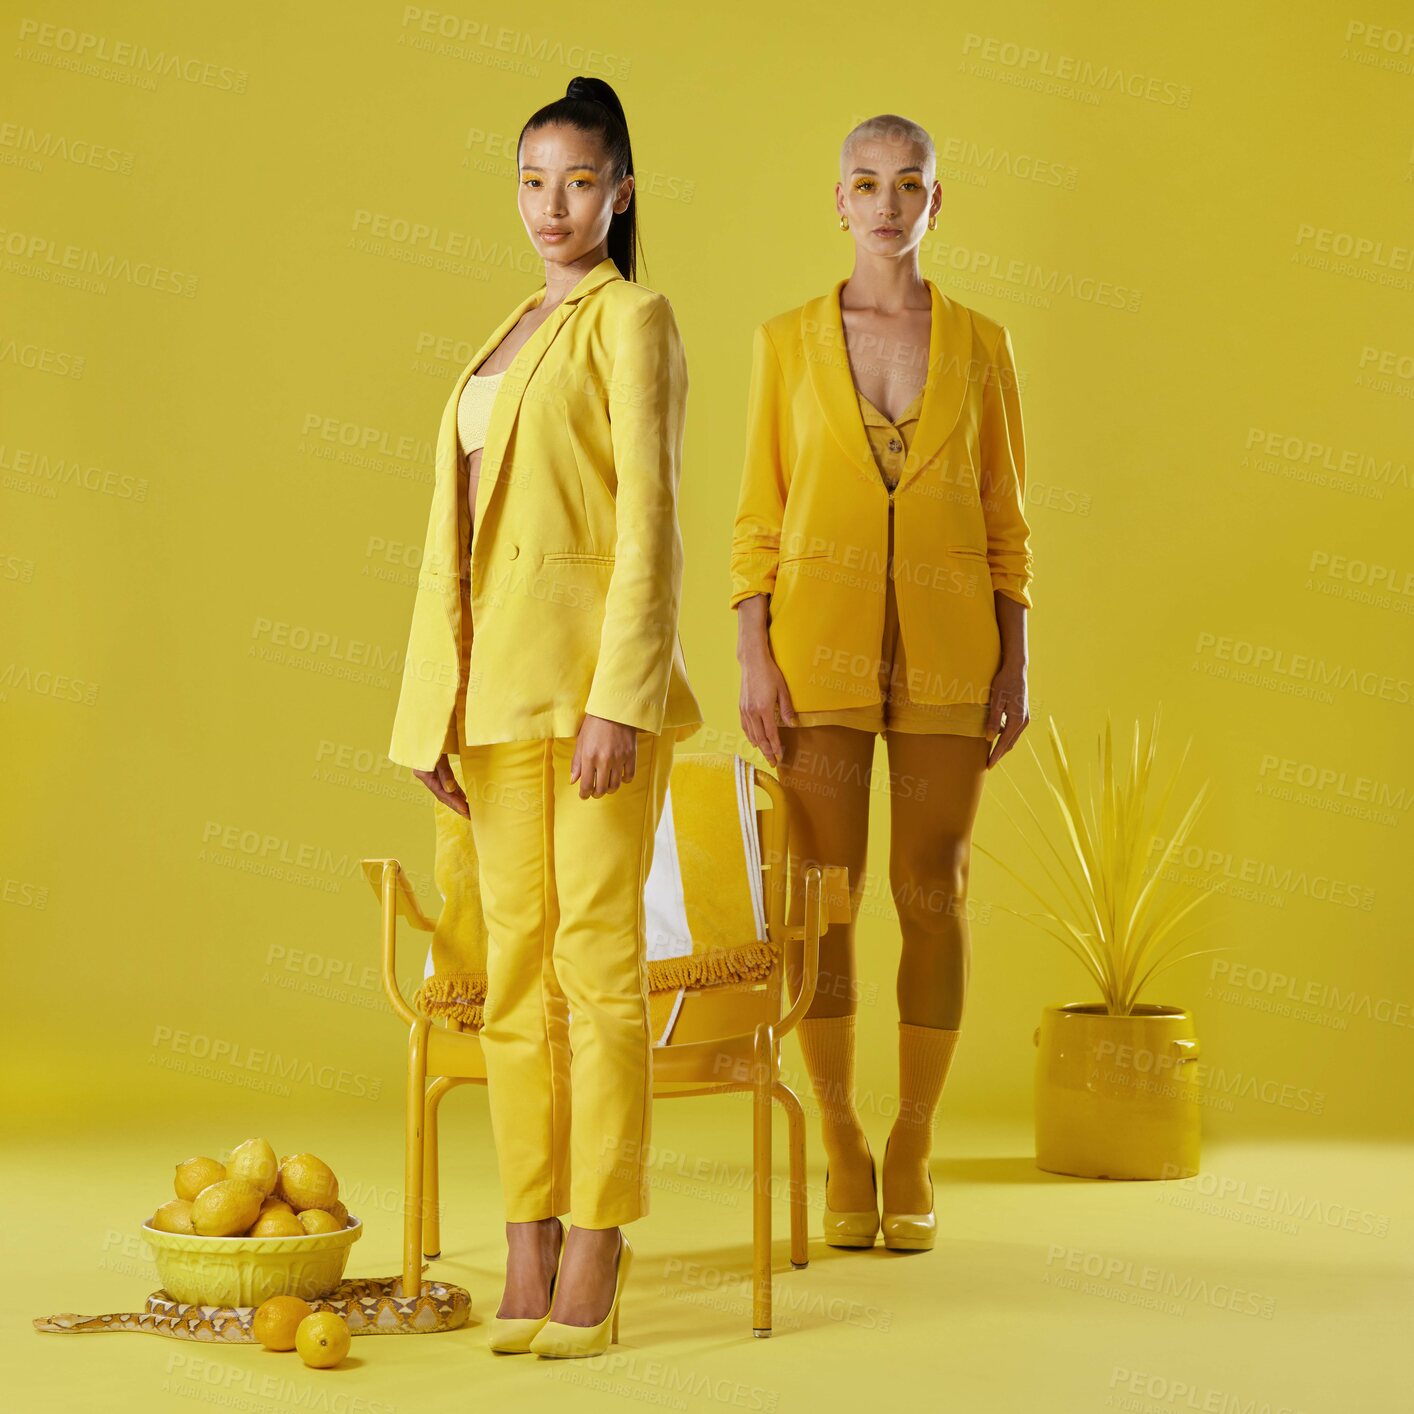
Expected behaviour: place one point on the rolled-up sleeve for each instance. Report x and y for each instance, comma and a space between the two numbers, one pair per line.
1003, 479
756, 537
647, 397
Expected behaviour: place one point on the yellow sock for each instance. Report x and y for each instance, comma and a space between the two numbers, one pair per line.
924, 1055
827, 1042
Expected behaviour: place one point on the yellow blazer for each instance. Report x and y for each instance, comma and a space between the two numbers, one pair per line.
812, 520
576, 556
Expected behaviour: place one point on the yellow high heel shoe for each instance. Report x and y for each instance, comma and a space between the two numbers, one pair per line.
844, 1228
911, 1232
557, 1339
510, 1335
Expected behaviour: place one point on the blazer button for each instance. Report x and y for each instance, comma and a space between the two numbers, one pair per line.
514, 551
895, 445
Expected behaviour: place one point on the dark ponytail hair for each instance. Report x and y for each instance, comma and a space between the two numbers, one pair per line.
592, 106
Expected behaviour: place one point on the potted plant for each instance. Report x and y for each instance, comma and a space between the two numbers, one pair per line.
1117, 1093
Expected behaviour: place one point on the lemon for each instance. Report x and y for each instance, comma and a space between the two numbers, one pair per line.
339, 1213
194, 1174
173, 1216
322, 1339
255, 1162
225, 1208
280, 1222
317, 1220
277, 1319
307, 1182
275, 1205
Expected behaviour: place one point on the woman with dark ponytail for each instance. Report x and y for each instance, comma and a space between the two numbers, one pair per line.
544, 652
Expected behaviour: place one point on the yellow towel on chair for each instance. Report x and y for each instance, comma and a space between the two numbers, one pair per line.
703, 903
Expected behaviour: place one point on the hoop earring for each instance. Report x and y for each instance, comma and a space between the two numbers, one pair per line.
844, 223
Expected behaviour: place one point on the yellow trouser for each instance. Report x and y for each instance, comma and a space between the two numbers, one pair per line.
566, 1012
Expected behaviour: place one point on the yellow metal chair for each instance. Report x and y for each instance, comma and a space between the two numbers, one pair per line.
723, 1037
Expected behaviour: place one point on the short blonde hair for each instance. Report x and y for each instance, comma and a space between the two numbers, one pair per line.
892, 127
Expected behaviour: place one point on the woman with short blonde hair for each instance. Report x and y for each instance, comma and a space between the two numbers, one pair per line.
880, 572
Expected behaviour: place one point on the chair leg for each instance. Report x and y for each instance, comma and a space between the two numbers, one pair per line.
413, 1157
432, 1223
799, 1213
761, 1086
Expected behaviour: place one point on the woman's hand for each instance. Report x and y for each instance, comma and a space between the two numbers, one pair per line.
605, 756
1009, 696
443, 784
763, 692
763, 685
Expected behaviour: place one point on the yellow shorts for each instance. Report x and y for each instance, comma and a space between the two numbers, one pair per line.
898, 712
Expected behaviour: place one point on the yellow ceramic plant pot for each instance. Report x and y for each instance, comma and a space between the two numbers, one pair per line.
1117, 1096
244, 1271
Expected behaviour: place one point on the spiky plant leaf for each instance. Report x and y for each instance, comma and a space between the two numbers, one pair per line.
1110, 910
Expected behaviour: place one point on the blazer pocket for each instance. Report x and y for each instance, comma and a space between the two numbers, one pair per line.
575, 557
971, 567
795, 559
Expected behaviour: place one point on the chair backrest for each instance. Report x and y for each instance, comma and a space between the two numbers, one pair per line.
705, 882
404, 899
715, 900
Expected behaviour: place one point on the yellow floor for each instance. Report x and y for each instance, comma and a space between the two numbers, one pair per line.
1279, 1281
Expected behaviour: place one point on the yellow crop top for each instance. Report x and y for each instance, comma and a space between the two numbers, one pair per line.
890, 440
474, 409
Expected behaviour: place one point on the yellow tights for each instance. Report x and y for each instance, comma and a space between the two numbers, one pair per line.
934, 783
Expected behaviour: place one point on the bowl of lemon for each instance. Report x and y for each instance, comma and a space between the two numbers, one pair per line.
240, 1232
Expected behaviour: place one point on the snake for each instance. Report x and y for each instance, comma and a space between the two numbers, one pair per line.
369, 1306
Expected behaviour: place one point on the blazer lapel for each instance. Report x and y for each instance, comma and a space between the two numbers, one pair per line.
827, 359
951, 368
506, 406
448, 444
944, 391
445, 544
443, 551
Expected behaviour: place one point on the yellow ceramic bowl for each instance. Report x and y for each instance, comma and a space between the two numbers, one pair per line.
244, 1271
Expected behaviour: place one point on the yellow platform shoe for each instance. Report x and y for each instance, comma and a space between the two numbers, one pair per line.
556, 1339
911, 1232
844, 1228
510, 1335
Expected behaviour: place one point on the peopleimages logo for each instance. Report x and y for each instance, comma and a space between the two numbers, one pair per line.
1099, 1274
1071, 69
253, 1067
84, 49
1265, 658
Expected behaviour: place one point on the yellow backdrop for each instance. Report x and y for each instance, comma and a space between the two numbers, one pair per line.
245, 254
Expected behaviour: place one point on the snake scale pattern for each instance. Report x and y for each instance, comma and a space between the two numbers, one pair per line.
370, 1306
